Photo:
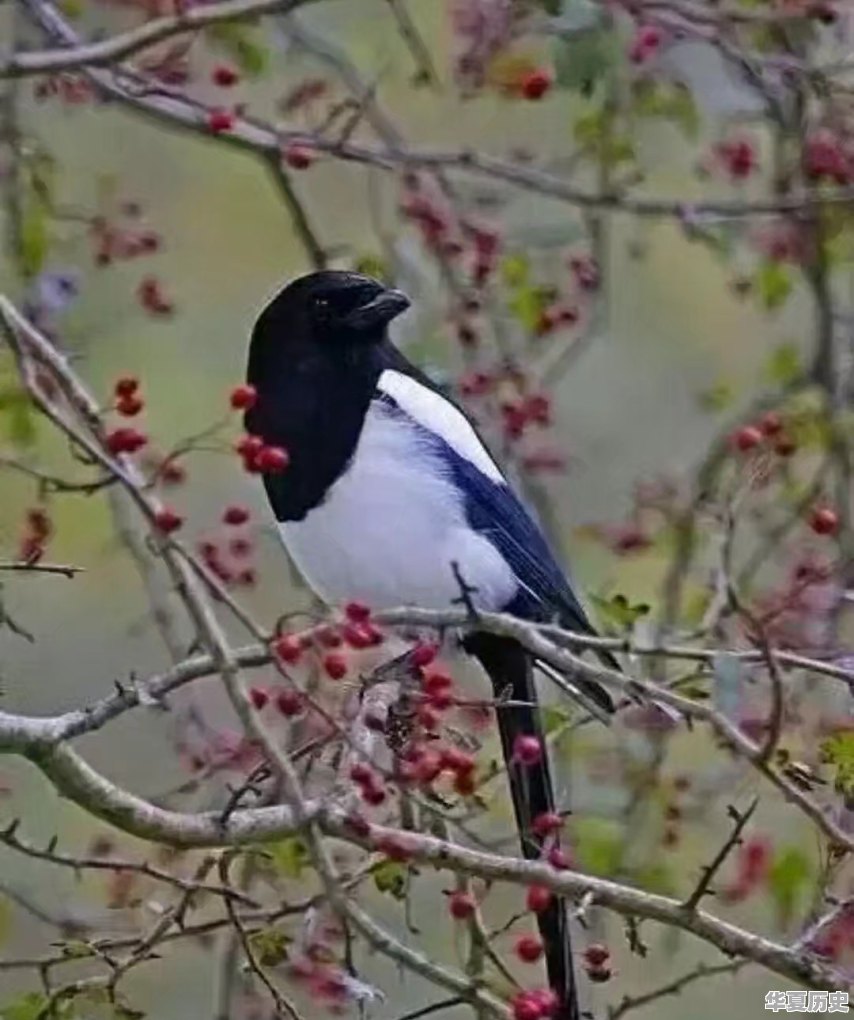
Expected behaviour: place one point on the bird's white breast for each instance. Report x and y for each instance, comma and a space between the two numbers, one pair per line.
391, 526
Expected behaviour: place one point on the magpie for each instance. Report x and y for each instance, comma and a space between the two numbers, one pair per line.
391, 498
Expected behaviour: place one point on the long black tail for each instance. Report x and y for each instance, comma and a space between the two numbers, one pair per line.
510, 669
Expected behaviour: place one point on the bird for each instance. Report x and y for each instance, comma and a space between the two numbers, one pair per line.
392, 498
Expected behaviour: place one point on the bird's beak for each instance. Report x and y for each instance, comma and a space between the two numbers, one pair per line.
379, 311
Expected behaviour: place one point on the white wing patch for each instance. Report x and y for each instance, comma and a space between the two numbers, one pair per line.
432, 412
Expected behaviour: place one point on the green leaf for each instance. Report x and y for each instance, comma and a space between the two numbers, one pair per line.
789, 874
552, 718
838, 751
390, 877
290, 856
584, 58
773, 285
241, 44
527, 305
270, 946
784, 365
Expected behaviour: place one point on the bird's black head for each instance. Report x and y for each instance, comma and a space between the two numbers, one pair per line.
317, 341
330, 310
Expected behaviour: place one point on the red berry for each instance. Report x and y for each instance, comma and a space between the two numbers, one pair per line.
596, 954
243, 397
249, 446
538, 898
168, 520
129, 406
373, 795
436, 681
455, 760
535, 84
288, 648
298, 157
423, 654
440, 701
461, 905
259, 697
357, 637
220, 120
598, 974
362, 774
559, 859
526, 1007
357, 612
747, 438
224, 76
335, 666
126, 386
465, 784
824, 520
272, 460
235, 515
529, 948
771, 424
125, 440
289, 702
527, 750
547, 823
546, 999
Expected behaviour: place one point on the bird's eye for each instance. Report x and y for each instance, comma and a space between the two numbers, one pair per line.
321, 304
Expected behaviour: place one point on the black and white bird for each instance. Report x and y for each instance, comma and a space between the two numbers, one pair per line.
391, 497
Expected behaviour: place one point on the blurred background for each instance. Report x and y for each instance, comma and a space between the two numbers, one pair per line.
669, 349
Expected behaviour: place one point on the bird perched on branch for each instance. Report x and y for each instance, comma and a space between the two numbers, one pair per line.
391, 498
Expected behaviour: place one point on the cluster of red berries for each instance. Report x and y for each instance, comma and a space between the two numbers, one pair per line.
128, 403
287, 700
424, 764
229, 559
371, 789
37, 531
517, 415
258, 457
113, 242
770, 429
127, 400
